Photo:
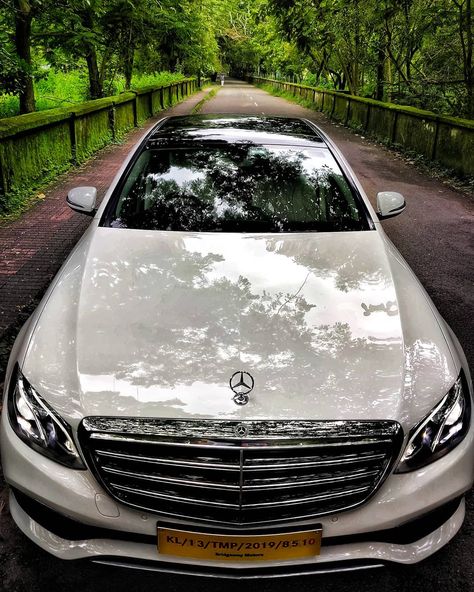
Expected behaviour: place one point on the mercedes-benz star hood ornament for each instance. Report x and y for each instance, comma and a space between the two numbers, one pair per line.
242, 384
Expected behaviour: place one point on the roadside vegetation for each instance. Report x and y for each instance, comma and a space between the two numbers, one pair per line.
62, 89
414, 52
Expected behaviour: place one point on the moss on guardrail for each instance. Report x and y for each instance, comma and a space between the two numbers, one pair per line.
34, 148
447, 140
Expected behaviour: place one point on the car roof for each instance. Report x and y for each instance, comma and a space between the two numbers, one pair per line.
234, 129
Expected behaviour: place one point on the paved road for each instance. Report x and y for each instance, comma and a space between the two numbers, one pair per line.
434, 235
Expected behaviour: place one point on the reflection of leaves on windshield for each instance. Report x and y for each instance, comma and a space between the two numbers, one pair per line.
239, 188
337, 204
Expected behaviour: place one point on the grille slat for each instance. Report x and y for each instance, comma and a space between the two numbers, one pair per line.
307, 483
169, 462
164, 496
201, 471
276, 466
235, 442
168, 481
309, 499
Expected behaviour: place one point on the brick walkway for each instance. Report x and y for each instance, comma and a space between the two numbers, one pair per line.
33, 247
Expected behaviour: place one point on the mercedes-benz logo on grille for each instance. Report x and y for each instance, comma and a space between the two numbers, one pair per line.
242, 384
241, 430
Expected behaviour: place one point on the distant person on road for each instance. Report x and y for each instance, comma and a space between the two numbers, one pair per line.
222, 79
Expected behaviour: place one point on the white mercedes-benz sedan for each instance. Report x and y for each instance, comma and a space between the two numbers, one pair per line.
235, 372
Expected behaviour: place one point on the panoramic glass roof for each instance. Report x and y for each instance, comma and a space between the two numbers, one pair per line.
234, 125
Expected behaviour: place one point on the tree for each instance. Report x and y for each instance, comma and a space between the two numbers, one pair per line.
74, 27
23, 16
466, 37
417, 52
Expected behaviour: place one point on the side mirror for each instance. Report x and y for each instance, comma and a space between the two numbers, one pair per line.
82, 199
389, 204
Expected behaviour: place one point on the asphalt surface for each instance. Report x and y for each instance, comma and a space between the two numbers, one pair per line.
435, 237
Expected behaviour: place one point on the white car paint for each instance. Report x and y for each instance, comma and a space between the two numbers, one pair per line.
317, 319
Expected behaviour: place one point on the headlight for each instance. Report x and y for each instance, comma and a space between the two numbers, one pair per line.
39, 426
440, 431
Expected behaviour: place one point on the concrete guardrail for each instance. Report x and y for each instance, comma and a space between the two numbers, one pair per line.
36, 146
448, 140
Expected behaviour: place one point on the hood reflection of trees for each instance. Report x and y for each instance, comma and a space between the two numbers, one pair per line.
220, 322
351, 266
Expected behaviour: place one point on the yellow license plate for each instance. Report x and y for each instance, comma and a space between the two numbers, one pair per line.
271, 547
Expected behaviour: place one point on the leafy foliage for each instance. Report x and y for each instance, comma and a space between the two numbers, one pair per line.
419, 52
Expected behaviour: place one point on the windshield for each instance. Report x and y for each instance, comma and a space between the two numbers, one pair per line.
237, 188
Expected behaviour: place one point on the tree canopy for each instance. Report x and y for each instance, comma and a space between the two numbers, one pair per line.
417, 52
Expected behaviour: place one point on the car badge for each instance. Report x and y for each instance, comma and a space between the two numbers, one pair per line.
241, 430
242, 384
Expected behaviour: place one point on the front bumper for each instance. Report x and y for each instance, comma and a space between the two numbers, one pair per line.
348, 537
140, 552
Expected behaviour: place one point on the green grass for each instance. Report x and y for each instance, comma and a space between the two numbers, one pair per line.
141, 80
287, 95
57, 89
63, 89
9, 105
208, 97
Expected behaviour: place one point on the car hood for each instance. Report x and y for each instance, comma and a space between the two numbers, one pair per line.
154, 324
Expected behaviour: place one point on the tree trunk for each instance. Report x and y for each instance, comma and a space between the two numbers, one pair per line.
128, 58
356, 65
466, 35
128, 70
321, 67
389, 79
408, 40
95, 84
469, 65
379, 90
23, 17
95, 87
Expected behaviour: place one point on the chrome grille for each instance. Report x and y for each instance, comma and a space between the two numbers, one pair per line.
202, 471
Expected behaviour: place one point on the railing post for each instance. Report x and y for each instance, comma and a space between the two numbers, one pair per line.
333, 105
3, 182
435, 141
150, 103
73, 138
135, 110
393, 132
112, 122
367, 118
346, 120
